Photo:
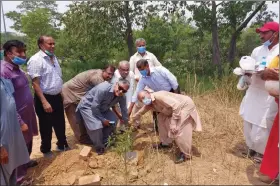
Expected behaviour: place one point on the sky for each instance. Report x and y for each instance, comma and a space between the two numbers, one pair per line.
62, 7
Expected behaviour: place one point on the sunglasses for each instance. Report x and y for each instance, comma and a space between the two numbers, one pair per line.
122, 89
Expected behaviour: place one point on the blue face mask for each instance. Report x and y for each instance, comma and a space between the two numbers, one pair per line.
141, 50
144, 72
147, 101
18, 60
49, 53
268, 42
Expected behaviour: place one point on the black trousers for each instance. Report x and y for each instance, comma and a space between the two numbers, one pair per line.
155, 113
54, 120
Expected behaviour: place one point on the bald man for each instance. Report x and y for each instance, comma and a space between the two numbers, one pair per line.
176, 119
123, 72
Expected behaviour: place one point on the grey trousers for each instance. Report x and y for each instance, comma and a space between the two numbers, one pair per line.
99, 137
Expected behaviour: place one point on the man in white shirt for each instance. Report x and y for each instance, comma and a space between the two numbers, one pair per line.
46, 75
258, 108
141, 53
123, 72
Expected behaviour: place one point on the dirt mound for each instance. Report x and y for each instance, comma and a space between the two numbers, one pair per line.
216, 157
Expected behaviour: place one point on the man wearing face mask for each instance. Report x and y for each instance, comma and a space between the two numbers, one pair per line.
156, 78
258, 108
14, 56
45, 72
177, 118
74, 89
94, 111
141, 53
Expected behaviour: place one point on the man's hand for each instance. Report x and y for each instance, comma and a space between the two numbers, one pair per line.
47, 107
106, 123
24, 127
270, 74
4, 157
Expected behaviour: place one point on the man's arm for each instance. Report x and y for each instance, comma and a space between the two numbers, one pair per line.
140, 87
270, 74
132, 64
141, 112
123, 107
116, 112
129, 93
38, 91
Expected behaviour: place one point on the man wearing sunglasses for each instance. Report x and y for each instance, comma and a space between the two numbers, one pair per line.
94, 111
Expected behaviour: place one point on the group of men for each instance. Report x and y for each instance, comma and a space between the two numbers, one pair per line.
94, 102
259, 107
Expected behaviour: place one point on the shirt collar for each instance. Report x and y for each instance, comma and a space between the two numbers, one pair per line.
10, 65
277, 45
112, 88
138, 54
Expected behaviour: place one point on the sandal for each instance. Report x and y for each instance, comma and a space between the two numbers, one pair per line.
250, 153
258, 158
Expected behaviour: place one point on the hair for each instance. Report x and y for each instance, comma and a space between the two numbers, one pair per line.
141, 62
41, 40
12, 43
123, 82
123, 62
112, 67
139, 40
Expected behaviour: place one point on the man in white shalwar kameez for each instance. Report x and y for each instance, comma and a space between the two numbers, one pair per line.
258, 108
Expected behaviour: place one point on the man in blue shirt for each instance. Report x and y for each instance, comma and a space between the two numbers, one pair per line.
156, 78
94, 108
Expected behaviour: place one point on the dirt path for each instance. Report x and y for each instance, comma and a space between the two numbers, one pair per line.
216, 158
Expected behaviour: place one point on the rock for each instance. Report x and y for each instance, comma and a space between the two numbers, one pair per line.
71, 180
135, 158
93, 164
77, 173
158, 170
85, 152
133, 175
90, 180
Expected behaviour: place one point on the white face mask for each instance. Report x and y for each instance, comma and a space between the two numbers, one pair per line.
147, 101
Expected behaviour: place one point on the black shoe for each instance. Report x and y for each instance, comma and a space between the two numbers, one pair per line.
180, 159
100, 151
161, 146
32, 163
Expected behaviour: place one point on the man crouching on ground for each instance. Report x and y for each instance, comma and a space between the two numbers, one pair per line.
94, 109
176, 119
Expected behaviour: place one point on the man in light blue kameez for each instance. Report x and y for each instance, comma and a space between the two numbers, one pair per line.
13, 151
95, 112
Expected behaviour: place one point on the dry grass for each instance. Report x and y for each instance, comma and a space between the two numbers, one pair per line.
216, 158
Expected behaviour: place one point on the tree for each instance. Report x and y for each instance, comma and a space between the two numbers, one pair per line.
34, 24
30, 6
235, 16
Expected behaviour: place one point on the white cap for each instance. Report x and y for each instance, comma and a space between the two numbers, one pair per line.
247, 63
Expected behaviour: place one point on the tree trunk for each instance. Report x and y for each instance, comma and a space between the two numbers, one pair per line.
128, 34
216, 59
232, 48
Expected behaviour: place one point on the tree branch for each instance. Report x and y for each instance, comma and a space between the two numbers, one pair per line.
219, 4
244, 24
